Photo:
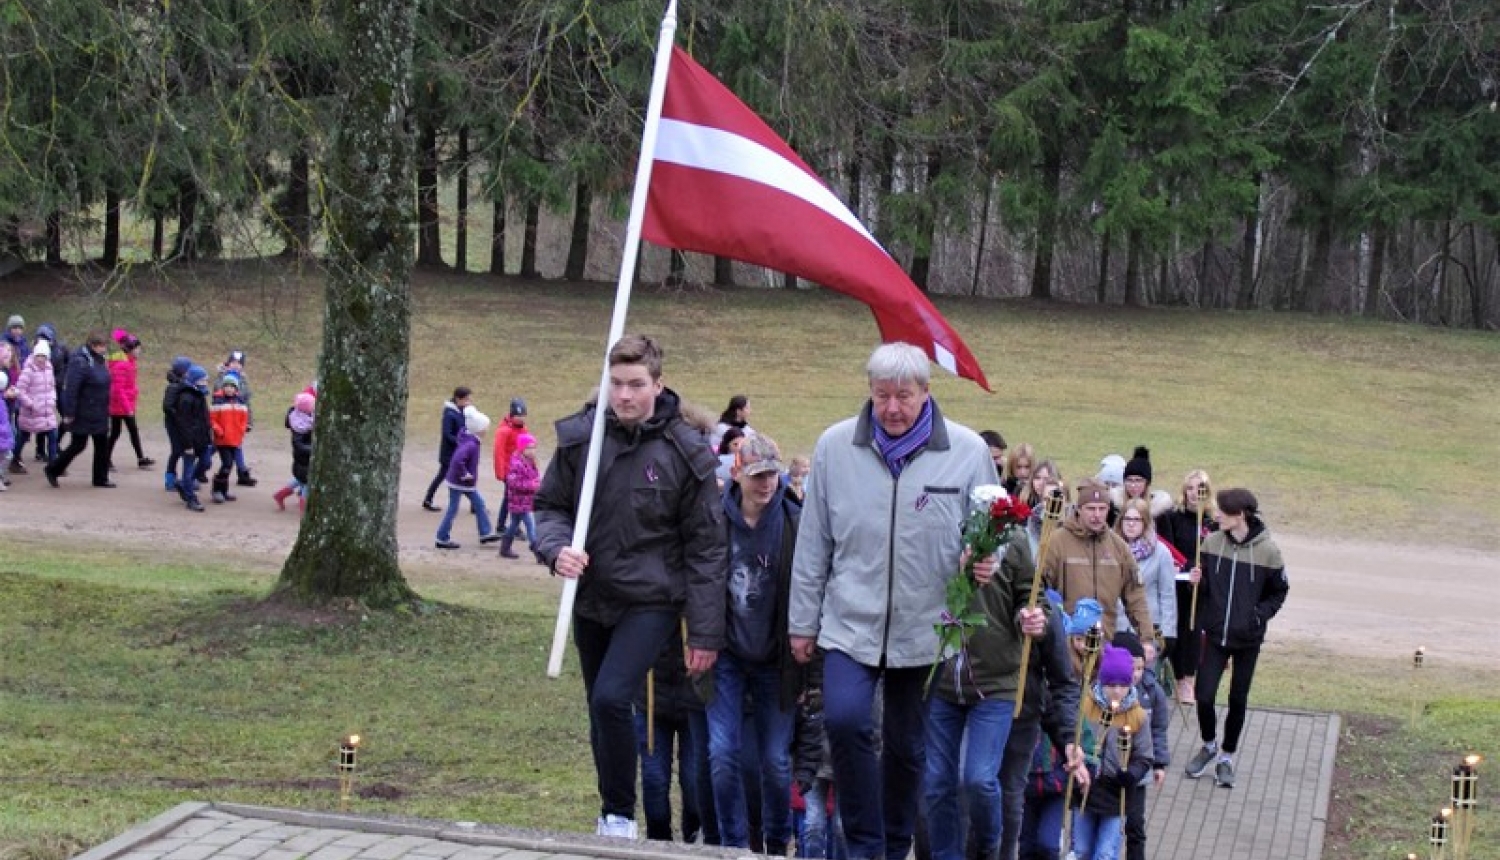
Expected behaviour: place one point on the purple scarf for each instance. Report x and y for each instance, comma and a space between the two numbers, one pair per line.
897, 451
1142, 547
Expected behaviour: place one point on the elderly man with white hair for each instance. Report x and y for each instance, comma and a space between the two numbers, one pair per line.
879, 540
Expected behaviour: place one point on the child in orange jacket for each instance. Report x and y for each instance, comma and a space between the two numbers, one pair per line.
229, 416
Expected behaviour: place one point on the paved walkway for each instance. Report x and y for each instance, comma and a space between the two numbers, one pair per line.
1279, 810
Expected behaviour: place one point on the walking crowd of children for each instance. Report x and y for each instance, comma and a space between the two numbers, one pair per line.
65, 401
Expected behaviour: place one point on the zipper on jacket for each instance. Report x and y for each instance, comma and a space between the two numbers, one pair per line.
1234, 564
890, 569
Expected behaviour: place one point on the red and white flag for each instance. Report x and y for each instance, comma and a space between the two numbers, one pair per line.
723, 183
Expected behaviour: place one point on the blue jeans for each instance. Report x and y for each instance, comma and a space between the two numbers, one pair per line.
1096, 837
187, 485
481, 514
978, 731
516, 521
1041, 828
733, 678
822, 834
656, 776
614, 661
877, 792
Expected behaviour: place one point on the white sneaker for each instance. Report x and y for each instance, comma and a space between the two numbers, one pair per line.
616, 826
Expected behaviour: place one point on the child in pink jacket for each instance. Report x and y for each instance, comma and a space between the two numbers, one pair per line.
124, 393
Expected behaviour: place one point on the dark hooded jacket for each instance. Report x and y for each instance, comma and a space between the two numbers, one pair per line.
656, 537
191, 419
1244, 585
85, 395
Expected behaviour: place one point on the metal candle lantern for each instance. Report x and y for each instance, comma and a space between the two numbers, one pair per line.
1416, 664
1465, 796
348, 760
1439, 833
1094, 639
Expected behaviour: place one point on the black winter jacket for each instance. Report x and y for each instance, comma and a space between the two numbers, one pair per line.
657, 535
1244, 585
191, 420
85, 395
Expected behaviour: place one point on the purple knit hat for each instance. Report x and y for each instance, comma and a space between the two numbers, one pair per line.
1116, 667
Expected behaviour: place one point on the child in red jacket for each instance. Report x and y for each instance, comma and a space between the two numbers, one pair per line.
229, 415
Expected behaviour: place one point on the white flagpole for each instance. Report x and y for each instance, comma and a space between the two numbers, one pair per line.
617, 323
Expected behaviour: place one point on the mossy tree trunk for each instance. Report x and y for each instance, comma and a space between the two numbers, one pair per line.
346, 547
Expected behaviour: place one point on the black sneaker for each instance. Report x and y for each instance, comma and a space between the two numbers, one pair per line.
446, 544
491, 537
1199, 763
429, 506
1224, 773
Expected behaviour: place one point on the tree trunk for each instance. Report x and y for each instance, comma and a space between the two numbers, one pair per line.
1133, 268
111, 254
676, 268
921, 258
461, 226
1375, 282
1244, 299
1440, 274
1101, 288
54, 238
184, 246
1314, 287
429, 238
158, 234
497, 235
1046, 227
984, 229
296, 207
346, 544
528, 240
723, 272
583, 220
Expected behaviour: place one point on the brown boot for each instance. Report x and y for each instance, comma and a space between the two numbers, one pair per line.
505, 550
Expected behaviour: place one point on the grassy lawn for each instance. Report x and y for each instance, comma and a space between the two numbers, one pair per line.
131, 681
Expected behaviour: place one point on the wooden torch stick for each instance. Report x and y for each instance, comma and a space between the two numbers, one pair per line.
1051, 516
1093, 642
1202, 491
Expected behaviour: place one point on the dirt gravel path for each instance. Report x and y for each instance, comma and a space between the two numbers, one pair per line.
1352, 598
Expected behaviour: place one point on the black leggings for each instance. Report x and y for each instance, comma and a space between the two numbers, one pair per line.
128, 422
1210, 670
1184, 654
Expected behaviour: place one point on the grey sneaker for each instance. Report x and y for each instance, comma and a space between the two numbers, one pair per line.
1224, 773
1200, 761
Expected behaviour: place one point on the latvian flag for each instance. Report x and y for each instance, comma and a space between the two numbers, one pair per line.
723, 183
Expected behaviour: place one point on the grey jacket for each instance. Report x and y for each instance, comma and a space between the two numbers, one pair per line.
874, 553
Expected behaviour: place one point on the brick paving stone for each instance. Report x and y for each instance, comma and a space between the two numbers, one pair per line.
311, 840
359, 840
394, 846
435, 850
480, 852
248, 849
192, 852
335, 851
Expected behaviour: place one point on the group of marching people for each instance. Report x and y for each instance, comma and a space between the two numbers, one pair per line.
775, 636
90, 396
